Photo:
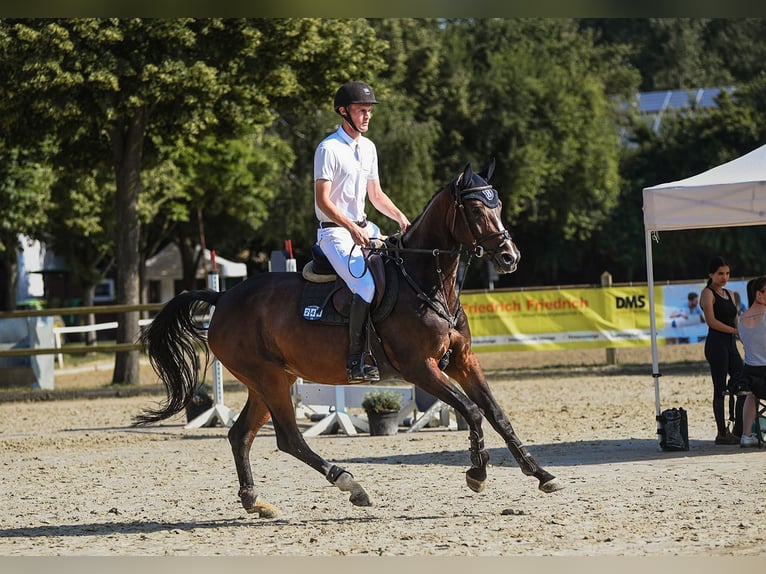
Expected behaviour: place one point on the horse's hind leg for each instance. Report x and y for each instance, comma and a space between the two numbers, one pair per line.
253, 416
291, 441
276, 398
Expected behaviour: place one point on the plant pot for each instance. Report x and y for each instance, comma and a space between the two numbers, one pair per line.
198, 405
384, 423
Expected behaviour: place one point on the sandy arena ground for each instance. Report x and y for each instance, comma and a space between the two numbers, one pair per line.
78, 480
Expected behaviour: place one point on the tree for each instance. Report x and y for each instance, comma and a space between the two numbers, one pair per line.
222, 191
406, 129
691, 143
25, 187
537, 95
139, 83
687, 53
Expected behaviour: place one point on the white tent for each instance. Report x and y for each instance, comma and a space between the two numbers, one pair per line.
165, 267
730, 195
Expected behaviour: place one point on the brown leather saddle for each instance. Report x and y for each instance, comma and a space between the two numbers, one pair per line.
327, 298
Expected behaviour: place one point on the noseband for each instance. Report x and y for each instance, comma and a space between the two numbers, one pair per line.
488, 199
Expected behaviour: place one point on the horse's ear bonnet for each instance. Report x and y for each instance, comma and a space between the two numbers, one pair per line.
477, 186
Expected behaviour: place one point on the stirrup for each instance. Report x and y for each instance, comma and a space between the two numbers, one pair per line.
360, 372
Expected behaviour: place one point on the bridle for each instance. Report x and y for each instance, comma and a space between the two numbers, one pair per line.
488, 196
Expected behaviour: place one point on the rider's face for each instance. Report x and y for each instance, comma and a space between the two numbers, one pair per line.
360, 115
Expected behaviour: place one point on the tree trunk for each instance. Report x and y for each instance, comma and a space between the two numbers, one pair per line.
190, 259
8, 276
127, 146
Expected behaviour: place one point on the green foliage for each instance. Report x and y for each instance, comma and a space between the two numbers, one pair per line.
210, 125
687, 53
405, 127
25, 188
381, 401
532, 93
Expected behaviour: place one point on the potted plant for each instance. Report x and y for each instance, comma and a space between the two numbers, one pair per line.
200, 402
382, 408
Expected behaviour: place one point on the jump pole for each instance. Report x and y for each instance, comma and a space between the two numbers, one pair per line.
291, 265
218, 412
339, 415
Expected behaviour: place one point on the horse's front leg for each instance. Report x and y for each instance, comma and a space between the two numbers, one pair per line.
467, 371
476, 476
438, 384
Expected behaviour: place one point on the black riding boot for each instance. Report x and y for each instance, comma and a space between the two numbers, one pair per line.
358, 371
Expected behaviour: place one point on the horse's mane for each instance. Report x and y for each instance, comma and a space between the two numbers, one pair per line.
416, 221
456, 184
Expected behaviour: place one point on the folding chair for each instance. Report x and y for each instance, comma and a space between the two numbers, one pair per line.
760, 421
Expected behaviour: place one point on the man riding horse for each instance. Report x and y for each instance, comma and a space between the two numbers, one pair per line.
425, 338
345, 174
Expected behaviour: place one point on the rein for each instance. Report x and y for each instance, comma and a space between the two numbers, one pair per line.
477, 250
441, 309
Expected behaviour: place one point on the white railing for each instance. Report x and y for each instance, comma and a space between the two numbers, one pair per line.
58, 331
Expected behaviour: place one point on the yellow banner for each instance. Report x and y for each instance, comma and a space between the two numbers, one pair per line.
560, 318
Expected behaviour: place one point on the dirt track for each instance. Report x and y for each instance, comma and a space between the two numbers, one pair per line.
77, 480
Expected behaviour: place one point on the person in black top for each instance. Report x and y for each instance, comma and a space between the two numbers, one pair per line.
721, 349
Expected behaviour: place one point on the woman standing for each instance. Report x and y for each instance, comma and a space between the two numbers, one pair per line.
721, 346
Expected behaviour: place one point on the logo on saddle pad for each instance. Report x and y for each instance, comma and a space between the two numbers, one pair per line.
312, 313
330, 302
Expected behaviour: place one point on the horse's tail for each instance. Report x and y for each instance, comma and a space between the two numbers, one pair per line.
172, 341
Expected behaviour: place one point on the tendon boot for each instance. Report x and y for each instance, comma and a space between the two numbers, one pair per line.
358, 371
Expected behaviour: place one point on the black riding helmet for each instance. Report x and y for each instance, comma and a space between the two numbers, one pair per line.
353, 93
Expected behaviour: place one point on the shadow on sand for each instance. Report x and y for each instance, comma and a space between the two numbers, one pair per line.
574, 453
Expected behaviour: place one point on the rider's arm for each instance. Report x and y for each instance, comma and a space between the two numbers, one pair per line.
383, 203
322, 194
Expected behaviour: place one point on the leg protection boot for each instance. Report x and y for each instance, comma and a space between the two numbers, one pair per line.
358, 371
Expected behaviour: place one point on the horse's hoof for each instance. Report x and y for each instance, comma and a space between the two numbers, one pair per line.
551, 486
248, 499
474, 484
360, 498
476, 478
263, 510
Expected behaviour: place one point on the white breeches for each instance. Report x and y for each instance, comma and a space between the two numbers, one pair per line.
348, 259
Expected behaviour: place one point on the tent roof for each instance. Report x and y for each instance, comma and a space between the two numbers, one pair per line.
729, 195
167, 264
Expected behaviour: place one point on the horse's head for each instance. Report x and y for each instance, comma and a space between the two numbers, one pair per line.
480, 211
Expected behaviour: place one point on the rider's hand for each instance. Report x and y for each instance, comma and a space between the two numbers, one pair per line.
359, 235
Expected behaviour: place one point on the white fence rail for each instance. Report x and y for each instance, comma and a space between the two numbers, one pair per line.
333, 400
58, 331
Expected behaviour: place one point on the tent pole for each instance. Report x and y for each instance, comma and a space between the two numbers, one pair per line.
653, 326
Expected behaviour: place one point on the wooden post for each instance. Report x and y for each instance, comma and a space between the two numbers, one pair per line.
611, 352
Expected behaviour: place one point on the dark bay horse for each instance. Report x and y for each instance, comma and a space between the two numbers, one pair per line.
258, 334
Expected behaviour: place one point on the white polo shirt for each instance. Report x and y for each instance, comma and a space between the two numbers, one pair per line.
338, 160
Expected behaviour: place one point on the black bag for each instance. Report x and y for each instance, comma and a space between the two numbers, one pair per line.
673, 429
